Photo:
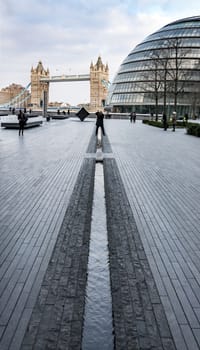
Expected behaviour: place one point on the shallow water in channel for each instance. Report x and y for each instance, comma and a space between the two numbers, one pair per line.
98, 326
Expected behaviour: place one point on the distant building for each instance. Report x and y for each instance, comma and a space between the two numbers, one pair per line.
176, 45
12, 95
58, 104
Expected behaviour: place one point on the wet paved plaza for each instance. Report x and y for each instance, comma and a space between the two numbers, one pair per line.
46, 181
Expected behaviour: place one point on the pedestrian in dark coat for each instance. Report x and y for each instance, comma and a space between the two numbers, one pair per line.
186, 118
99, 122
164, 119
22, 122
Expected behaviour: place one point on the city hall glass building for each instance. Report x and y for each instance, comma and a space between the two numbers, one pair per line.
162, 72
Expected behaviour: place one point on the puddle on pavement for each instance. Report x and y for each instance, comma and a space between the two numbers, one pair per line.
98, 322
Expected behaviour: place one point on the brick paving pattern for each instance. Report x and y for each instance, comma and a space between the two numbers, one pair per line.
160, 172
139, 318
155, 268
57, 318
38, 175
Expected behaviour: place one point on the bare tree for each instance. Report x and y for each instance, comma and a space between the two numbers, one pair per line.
177, 72
167, 73
164, 58
152, 78
195, 88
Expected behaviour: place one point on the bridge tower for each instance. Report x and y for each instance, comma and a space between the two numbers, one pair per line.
38, 87
99, 74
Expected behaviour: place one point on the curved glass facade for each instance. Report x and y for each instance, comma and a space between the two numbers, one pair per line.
162, 73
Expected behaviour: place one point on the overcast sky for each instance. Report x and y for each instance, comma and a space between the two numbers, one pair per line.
66, 35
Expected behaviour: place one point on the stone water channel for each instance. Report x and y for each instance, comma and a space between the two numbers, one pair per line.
55, 312
98, 322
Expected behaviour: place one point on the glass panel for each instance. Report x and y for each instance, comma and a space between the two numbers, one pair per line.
133, 83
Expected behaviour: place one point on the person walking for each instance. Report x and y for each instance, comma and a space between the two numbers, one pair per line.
22, 122
186, 118
134, 117
164, 119
99, 122
173, 121
131, 117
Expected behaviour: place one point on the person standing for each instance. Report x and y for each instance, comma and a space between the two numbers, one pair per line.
99, 122
173, 121
134, 117
164, 119
186, 118
22, 122
131, 117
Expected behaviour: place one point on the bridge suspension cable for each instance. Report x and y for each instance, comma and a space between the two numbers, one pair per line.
106, 83
17, 100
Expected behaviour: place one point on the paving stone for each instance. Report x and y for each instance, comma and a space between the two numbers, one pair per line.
190, 340
106, 146
134, 296
163, 192
62, 292
153, 235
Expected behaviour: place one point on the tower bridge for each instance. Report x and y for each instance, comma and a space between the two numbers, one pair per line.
98, 78
41, 79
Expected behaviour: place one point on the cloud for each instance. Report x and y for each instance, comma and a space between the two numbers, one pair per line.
67, 35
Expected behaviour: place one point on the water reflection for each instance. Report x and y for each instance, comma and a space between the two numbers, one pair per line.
98, 327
